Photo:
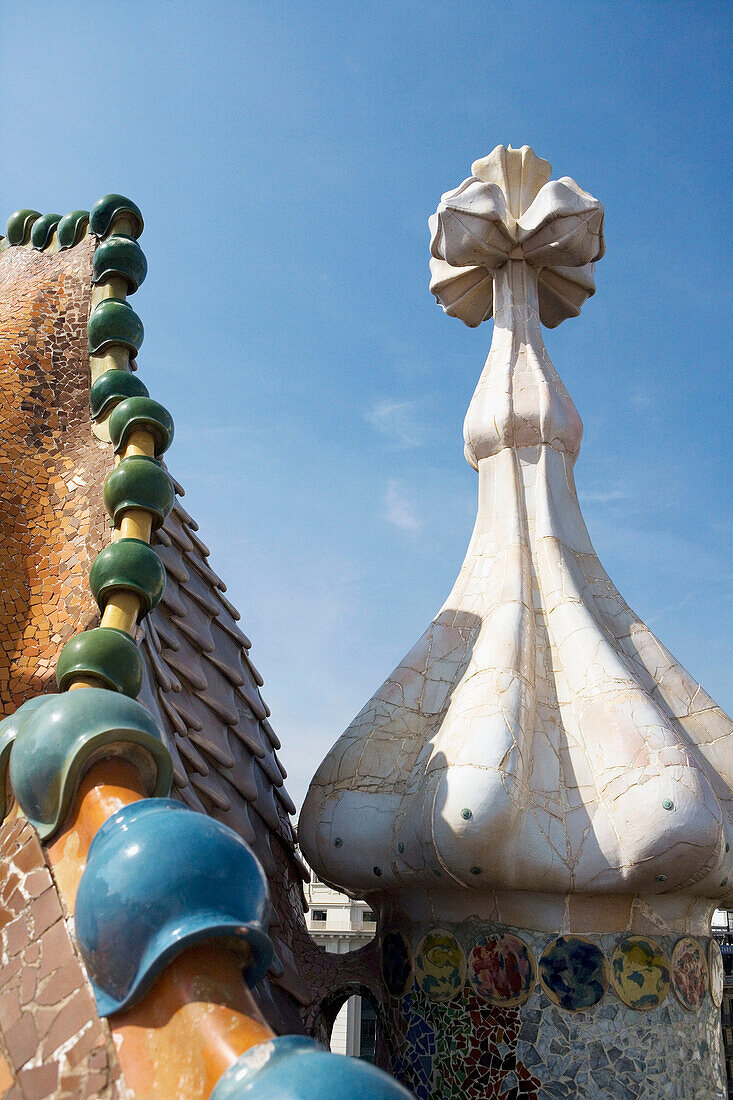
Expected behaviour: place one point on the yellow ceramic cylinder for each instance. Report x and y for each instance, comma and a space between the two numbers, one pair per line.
140, 443
121, 611
136, 524
85, 682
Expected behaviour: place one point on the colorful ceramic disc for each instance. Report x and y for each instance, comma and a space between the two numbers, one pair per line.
689, 973
440, 965
641, 973
396, 963
715, 966
573, 972
502, 970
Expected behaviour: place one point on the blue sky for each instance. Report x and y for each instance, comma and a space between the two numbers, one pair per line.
286, 157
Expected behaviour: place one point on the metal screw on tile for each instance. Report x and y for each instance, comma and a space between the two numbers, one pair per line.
475, 870
668, 804
466, 814
661, 878
337, 842
377, 871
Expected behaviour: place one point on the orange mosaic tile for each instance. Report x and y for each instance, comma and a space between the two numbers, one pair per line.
52, 520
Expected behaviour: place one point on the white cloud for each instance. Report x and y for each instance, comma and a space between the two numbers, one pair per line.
399, 511
398, 421
602, 496
641, 400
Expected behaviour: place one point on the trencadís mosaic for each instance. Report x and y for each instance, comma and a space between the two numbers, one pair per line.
477, 1011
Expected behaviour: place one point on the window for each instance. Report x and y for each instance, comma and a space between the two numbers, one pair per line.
368, 917
319, 915
368, 1031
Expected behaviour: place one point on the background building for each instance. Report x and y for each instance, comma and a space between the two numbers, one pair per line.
340, 924
723, 932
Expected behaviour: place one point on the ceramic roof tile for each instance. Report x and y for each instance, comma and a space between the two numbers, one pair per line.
212, 788
215, 747
186, 661
175, 530
201, 591
163, 537
166, 635
227, 657
153, 638
207, 694
250, 694
230, 608
190, 753
195, 620
272, 736
227, 622
196, 562
188, 795
249, 730
241, 772
171, 558
171, 597
269, 765
180, 703
237, 818
221, 706
198, 633
265, 802
176, 721
255, 673
201, 546
161, 671
285, 800
261, 843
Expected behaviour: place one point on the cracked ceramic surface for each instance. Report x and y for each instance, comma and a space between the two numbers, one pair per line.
538, 752
508, 209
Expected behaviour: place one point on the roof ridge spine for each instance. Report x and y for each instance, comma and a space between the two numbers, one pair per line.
99, 673
50, 233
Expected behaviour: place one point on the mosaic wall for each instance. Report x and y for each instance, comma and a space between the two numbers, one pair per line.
52, 520
200, 683
477, 1011
52, 1042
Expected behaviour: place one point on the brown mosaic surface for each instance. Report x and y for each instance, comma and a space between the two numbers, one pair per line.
52, 520
52, 1044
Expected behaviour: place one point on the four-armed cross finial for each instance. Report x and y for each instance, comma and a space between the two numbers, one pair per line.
508, 210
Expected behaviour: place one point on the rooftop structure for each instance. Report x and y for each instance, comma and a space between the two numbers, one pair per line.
151, 908
340, 924
537, 802
536, 806
722, 929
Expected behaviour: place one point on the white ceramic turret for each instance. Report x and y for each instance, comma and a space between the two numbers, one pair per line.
538, 765
538, 738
